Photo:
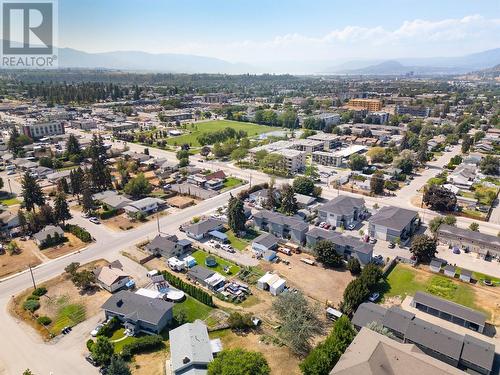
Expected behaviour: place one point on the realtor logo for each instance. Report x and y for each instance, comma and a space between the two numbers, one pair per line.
28, 33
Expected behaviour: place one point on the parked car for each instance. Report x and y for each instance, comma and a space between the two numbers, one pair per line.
95, 331
66, 330
94, 220
374, 297
91, 360
487, 282
391, 245
11, 172
351, 226
373, 240
327, 226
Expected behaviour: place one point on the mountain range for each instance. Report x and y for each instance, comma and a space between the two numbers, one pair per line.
183, 63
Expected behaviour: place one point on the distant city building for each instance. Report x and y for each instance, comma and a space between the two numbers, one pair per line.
413, 111
372, 105
43, 129
379, 118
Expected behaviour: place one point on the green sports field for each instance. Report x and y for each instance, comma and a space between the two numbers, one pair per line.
212, 126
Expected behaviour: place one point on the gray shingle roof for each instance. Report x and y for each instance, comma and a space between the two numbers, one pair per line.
393, 217
343, 205
368, 312
137, 307
280, 219
434, 337
200, 273
324, 234
48, 230
397, 319
478, 352
204, 226
469, 235
266, 240
451, 308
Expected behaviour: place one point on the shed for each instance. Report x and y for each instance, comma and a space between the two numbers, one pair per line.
466, 275
435, 265
189, 261
332, 313
269, 255
450, 270
265, 241
277, 287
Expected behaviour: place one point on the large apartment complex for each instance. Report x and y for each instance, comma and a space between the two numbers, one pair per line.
43, 129
371, 105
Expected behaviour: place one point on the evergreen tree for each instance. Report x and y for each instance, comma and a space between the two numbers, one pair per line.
288, 201
76, 181
271, 202
61, 209
87, 201
31, 192
73, 147
236, 215
118, 366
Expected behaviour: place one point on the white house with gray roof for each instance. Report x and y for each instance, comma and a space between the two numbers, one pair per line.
191, 350
342, 210
391, 223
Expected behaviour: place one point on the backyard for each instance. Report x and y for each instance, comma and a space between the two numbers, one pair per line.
213, 126
240, 243
404, 280
201, 255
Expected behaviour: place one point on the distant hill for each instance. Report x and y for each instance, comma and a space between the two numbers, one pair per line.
434, 65
143, 61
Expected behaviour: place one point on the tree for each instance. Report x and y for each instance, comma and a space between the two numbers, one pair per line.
118, 366
1, 183
28, 372
379, 328
240, 321
31, 192
311, 171
355, 293
236, 215
73, 147
436, 222
87, 200
376, 154
357, 162
102, 351
271, 201
354, 266
22, 220
424, 248
325, 355
238, 362
377, 183
138, 187
239, 154
288, 201
490, 165
76, 181
474, 226
439, 198
205, 151
303, 185
466, 143
84, 279
299, 321
405, 161
61, 208
326, 254
274, 162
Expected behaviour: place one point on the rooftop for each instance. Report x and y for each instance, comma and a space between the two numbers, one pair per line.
393, 217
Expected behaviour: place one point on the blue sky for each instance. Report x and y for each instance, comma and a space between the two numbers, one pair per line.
264, 30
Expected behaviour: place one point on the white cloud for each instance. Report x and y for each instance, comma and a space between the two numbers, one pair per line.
414, 38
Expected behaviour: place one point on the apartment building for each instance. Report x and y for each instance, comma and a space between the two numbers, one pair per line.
295, 160
308, 145
329, 140
43, 129
412, 110
371, 105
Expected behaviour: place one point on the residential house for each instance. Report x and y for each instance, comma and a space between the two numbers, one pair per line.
168, 246
259, 197
139, 313
146, 205
264, 242
480, 243
463, 176
193, 191
49, 230
281, 225
116, 201
371, 351
8, 220
201, 229
342, 211
111, 277
347, 246
206, 277
191, 349
304, 201
391, 223
42, 172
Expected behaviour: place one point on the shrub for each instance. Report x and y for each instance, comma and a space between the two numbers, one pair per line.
33, 297
40, 291
52, 241
109, 328
108, 214
140, 345
44, 320
90, 345
79, 232
31, 305
192, 290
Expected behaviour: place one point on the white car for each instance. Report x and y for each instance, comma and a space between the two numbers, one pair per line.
94, 220
374, 297
95, 331
351, 226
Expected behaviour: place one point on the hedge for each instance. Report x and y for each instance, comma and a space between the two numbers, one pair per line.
44, 320
31, 305
108, 214
140, 345
190, 289
52, 241
109, 328
79, 232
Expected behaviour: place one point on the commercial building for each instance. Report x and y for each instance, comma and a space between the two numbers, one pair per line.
337, 158
43, 129
463, 351
372, 105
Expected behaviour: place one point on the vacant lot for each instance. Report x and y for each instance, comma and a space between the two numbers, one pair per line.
63, 304
10, 264
213, 126
122, 222
321, 284
405, 280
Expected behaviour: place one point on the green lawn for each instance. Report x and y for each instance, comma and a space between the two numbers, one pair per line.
193, 309
10, 201
201, 255
404, 281
241, 243
231, 182
120, 344
212, 126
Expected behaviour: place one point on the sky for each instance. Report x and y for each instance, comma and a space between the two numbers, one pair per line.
282, 30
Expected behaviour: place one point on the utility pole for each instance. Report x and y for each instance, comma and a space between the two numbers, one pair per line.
158, 222
32, 277
10, 188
